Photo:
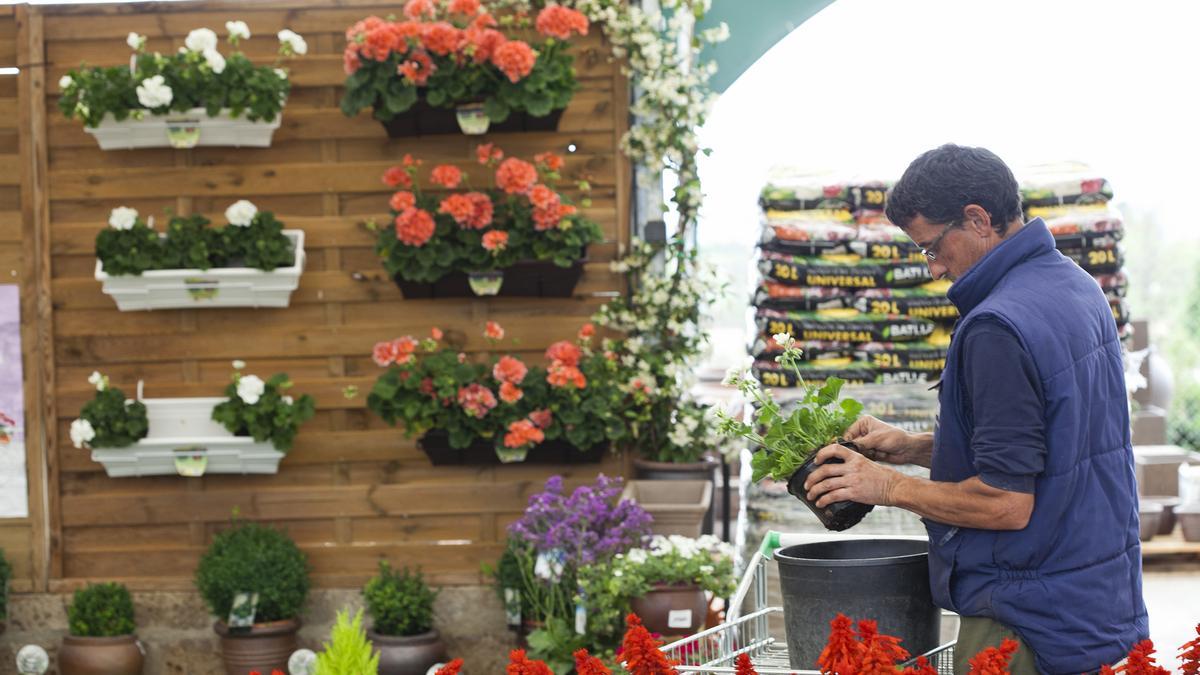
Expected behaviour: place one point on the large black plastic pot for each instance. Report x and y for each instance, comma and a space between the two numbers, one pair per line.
886, 580
837, 516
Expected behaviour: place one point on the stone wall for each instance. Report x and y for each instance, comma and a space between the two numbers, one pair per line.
176, 628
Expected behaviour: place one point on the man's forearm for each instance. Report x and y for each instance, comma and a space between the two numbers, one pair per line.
970, 503
920, 449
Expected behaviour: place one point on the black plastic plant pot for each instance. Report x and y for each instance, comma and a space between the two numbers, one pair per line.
524, 279
425, 120
436, 446
837, 516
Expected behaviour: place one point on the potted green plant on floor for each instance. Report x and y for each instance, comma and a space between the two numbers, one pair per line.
401, 605
254, 580
101, 639
348, 651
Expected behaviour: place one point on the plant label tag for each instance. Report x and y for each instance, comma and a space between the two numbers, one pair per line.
512, 607
580, 619
680, 618
241, 614
191, 462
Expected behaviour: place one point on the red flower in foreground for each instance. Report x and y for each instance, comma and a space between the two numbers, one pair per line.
1189, 655
744, 666
558, 21
446, 175
994, 660
842, 652
519, 664
641, 651
881, 651
451, 668
922, 667
586, 664
1141, 661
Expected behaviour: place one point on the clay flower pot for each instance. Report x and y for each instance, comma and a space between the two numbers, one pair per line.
1149, 518
1189, 521
408, 655
264, 648
672, 610
120, 655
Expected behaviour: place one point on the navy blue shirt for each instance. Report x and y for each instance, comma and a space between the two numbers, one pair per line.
1006, 408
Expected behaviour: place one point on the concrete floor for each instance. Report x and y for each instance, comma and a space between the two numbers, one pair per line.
1173, 600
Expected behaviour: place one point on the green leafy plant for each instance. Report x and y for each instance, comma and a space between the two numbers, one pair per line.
817, 420
449, 57
399, 601
428, 236
5, 578
253, 558
196, 77
253, 238
109, 420
262, 409
101, 610
348, 651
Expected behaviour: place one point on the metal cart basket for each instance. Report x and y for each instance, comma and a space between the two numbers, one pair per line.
715, 650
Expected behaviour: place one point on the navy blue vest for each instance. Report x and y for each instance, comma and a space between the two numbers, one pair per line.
1070, 583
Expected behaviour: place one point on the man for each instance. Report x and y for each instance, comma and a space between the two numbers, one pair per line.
1031, 505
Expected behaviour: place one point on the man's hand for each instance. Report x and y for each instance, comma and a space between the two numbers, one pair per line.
856, 479
883, 442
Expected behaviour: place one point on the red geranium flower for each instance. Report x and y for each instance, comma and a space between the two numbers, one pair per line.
417, 68
551, 161
560, 374
487, 153
396, 176
484, 42
493, 331
415, 9
509, 369
402, 201
564, 352
516, 176
495, 240
446, 175
587, 331
510, 393
515, 59
543, 197
481, 217
541, 418
441, 38
459, 207
558, 21
414, 227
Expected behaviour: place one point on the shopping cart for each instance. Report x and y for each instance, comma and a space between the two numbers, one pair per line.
716, 649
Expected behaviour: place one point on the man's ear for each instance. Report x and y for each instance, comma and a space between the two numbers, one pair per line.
977, 220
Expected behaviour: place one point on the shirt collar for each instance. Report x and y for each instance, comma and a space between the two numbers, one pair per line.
972, 287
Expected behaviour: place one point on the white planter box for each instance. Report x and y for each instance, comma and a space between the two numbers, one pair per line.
183, 130
216, 287
184, 427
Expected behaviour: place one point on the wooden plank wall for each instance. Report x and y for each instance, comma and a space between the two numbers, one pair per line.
352, 490
15, 533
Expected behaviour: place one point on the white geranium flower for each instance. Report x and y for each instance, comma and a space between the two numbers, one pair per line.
637, 556
97, 380
293, 41
65, 82
201, 40
238, 30
135, 41
783, 340
241, 213
81, 432
238, 364
122, 218
153, 92
214, 60
287, 399
250, 388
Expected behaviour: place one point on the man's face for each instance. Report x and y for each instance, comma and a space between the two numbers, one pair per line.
956, 246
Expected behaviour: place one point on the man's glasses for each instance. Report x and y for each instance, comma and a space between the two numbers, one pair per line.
930, 250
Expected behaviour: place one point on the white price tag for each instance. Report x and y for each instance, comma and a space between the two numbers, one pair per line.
680, 618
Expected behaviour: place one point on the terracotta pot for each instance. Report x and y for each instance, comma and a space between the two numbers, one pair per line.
411, 655
672, 610
1149, 517
705, 469
265, 648
120, 655
1189, 521
1166, 524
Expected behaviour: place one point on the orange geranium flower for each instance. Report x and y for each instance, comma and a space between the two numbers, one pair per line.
564, 352
509, 369
484, 42
446, 175
441, 38
493, 331
404, 348
541, 418
409, 161
351, 61
558, 21
516, 176
476, 400
487, 153
549, 160
396, 176
402, 201
415, 9
560, 374
522, 433
481, 217
515, 59
547, 219
543, 197
587, 331
383, 354
510, 393
417, 68
435, 333
495, 240
467, 7
451, 668
414, 226
459, 207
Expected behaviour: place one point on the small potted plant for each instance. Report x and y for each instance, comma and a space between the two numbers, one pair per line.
259, 572
101, 639
788, 446
196, 97
519, 238
262, 409
109, 420
447, 61
401, 605
504, 410
664, 582
251, 262
348, 651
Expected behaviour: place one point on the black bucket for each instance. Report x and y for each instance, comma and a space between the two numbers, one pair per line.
886, 580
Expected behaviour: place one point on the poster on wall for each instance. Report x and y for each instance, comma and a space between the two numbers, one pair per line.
13, 500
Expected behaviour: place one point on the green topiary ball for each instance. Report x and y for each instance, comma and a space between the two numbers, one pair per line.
252, 558
101, 610
400, 602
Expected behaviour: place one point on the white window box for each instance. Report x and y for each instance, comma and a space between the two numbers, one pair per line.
216, 287
183, 130
183, 427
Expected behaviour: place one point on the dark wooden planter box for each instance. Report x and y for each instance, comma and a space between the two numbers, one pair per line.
425, 120
522, 280
436, 446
